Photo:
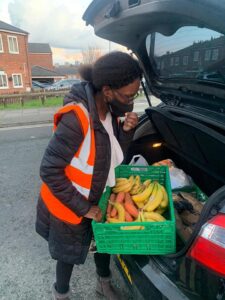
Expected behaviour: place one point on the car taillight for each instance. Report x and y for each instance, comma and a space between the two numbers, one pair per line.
209, 247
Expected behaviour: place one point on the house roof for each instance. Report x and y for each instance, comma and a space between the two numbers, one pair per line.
7, 27
38, 71
39, 48
67, 70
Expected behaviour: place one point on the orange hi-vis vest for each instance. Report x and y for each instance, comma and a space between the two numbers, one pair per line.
80, 169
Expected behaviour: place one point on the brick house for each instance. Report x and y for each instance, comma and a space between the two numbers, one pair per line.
45, 75
70, 72
204, 58
21, 62
15, 74
40, 54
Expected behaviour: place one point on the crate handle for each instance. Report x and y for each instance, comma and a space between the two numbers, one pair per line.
144, 169
133, 227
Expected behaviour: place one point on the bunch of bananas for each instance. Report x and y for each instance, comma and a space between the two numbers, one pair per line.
132, 185
153, 199
123, 184
149, 196
144, 217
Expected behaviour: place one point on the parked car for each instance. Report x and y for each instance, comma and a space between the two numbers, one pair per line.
175, 37
62, 84
39, 86
212, 76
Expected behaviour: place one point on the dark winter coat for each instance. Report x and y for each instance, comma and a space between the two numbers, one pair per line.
70, 243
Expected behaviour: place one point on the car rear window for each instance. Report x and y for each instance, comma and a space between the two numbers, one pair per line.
191, 52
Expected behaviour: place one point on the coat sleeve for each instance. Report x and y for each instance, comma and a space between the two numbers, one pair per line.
60, 150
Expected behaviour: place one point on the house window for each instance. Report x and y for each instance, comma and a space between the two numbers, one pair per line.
171, 61
215, 54
1, 45
196, 56
177, 60
207, 55
185, 60
13, 44
158, 64
17, 80
3, 81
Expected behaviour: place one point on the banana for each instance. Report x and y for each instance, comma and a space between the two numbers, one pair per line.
140, 204
120, 184
138, 218
121, 211
138, 189
136, 186
165, 201
141, 188
160, 210
155, 199
126, 187
147, 182
113, 220
153, 216
122, 188
134, 190
142, 217
141, 197
121, 179
138, 179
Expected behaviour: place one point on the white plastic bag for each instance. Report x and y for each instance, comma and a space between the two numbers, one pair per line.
138, 160
179, 178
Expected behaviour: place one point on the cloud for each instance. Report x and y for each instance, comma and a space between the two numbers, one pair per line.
4, 14
58, 23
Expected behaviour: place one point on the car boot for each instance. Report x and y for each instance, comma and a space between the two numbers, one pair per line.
104, 287
57, 296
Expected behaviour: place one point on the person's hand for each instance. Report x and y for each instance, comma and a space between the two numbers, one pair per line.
130, 121
94, 213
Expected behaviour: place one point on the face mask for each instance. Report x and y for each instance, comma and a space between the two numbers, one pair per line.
119, 109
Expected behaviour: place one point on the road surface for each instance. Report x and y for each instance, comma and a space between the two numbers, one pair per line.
26, 269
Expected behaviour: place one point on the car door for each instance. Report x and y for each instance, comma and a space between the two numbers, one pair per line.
172, 73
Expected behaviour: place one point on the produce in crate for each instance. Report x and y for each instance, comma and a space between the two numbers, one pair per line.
141, 232
124, 184
134, 201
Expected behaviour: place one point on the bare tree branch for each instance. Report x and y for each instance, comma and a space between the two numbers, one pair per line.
91, 54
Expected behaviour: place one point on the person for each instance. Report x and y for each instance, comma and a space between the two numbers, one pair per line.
89, 141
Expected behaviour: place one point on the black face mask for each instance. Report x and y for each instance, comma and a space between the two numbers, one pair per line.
119, 109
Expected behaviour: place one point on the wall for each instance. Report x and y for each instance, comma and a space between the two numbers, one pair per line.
41, 59
15, 63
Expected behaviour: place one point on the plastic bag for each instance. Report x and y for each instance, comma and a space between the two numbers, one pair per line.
165, 162
179, 178
138, 160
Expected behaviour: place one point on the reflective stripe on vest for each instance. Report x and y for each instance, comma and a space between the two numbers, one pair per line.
80, 169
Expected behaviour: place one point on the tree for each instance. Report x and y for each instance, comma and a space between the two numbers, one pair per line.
91, 54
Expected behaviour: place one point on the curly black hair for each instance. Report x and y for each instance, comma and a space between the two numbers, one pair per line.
115, 69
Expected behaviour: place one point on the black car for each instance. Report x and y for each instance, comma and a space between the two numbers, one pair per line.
175, 40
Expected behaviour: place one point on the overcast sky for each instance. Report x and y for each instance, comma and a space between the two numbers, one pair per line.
56, 22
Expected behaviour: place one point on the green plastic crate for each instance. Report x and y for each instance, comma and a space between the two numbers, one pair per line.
157, 238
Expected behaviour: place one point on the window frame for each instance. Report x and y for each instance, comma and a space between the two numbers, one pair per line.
177, 61
17, 45
4, 87
1, 43
196, 56
207, 54
215, 54
185, 60
21, 77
